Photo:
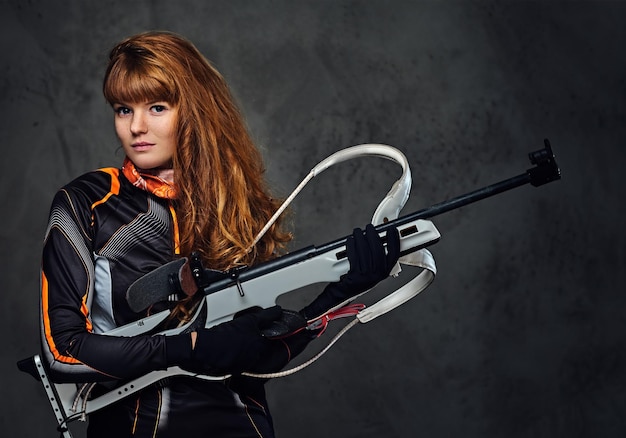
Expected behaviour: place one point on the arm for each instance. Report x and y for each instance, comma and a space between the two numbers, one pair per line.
72, 349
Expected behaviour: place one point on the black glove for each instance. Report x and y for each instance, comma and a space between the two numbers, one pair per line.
234, 346
280, 351
369, 264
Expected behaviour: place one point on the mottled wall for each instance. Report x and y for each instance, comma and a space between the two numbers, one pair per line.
522, 333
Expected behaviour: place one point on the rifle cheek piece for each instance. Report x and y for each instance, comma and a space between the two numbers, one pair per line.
193, 277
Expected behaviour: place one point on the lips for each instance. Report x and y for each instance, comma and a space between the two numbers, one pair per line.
142, 145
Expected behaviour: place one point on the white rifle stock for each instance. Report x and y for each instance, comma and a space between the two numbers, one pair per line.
261, 285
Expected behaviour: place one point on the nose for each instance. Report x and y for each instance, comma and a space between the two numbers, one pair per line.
138, 124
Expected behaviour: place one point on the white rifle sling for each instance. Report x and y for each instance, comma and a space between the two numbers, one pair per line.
391, 204
422, 259
388, 209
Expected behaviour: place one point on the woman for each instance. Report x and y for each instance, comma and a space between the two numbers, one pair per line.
191, 181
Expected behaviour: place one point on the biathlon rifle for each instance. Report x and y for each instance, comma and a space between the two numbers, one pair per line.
229, 293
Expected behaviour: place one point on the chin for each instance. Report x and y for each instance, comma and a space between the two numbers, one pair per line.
143, 163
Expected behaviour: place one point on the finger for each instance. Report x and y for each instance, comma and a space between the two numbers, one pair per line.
360, 257
376, 249
393, 248
351, 253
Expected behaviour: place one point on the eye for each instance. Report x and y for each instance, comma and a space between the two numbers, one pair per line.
122, 110
158, 108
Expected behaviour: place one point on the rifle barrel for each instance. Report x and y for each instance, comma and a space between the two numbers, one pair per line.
546, 170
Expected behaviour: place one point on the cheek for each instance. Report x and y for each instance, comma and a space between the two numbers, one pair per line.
119, 128
171, 145
170, 132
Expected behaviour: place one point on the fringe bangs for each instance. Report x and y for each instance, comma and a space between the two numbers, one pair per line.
125, 84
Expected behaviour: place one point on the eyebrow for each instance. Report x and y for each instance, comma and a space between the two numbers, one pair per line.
153, 102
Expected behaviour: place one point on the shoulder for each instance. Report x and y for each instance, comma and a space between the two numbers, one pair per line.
106, 178
92, 186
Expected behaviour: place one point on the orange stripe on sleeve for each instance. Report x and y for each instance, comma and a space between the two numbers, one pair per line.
46, 322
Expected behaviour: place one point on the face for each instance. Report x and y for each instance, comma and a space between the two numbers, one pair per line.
147, 132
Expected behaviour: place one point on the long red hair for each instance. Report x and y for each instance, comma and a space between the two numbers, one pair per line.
222, 199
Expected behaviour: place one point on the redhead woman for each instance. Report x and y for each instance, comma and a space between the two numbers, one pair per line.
191, 181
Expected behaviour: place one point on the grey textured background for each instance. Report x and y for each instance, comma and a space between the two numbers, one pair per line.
522, 333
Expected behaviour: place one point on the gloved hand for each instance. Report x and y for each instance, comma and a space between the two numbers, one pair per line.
234, 346
280, 351
369, 264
